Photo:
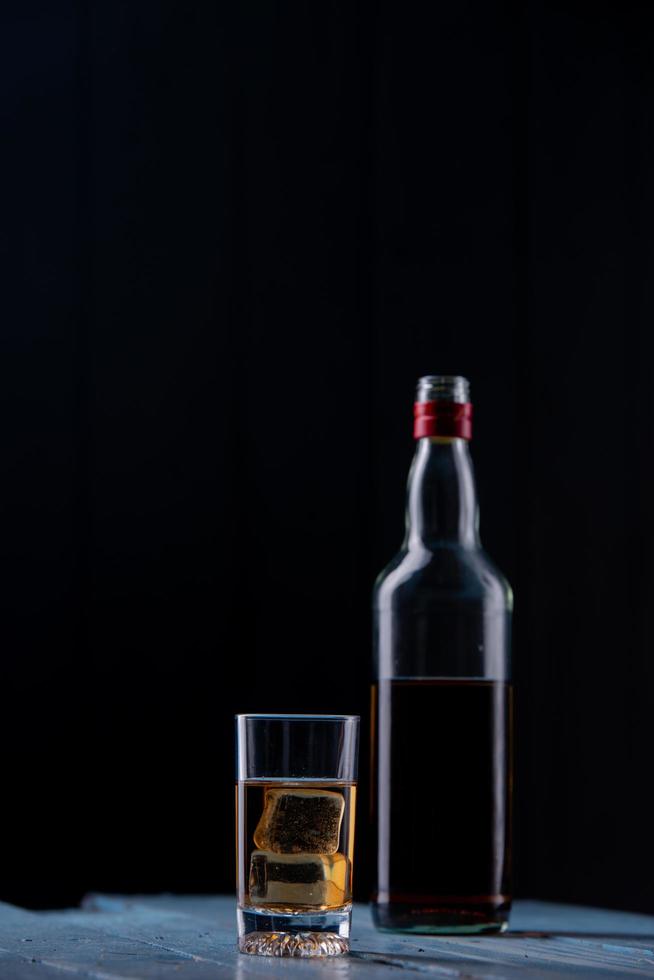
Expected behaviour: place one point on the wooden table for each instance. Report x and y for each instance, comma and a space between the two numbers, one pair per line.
192, 938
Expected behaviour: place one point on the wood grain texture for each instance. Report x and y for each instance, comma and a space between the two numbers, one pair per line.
193, 938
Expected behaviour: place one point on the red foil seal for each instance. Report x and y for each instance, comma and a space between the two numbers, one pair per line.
442, 418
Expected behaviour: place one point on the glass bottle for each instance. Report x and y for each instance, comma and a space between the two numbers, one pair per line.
442, 699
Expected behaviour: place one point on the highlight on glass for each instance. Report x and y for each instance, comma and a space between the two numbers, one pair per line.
296, 781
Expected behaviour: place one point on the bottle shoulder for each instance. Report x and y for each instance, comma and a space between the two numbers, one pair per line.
443, 573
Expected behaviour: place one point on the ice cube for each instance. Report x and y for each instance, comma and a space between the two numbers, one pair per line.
298, 821
299, 879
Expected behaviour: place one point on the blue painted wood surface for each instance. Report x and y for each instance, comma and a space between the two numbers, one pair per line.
114, 937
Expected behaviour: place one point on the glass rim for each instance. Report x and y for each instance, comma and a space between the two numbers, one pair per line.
290, 717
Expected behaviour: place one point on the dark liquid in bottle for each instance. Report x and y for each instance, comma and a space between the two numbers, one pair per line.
442, 763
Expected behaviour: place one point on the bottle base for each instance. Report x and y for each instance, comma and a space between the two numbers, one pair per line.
441, 920
262, 932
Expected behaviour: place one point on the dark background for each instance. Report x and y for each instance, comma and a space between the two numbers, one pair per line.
234, 235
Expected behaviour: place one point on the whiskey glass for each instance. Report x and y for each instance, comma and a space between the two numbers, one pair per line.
295, 807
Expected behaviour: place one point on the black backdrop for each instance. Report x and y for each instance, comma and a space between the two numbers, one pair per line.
235, 234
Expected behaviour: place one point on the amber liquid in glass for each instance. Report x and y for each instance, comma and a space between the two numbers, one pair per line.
295, 844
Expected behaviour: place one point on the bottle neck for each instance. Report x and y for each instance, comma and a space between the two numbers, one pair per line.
441, 501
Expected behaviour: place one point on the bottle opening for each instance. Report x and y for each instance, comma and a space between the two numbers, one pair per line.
442, 407
443, 387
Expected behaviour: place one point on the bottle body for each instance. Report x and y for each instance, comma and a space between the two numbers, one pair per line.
442, 712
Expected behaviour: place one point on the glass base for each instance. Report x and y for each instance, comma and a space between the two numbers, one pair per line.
263, 932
